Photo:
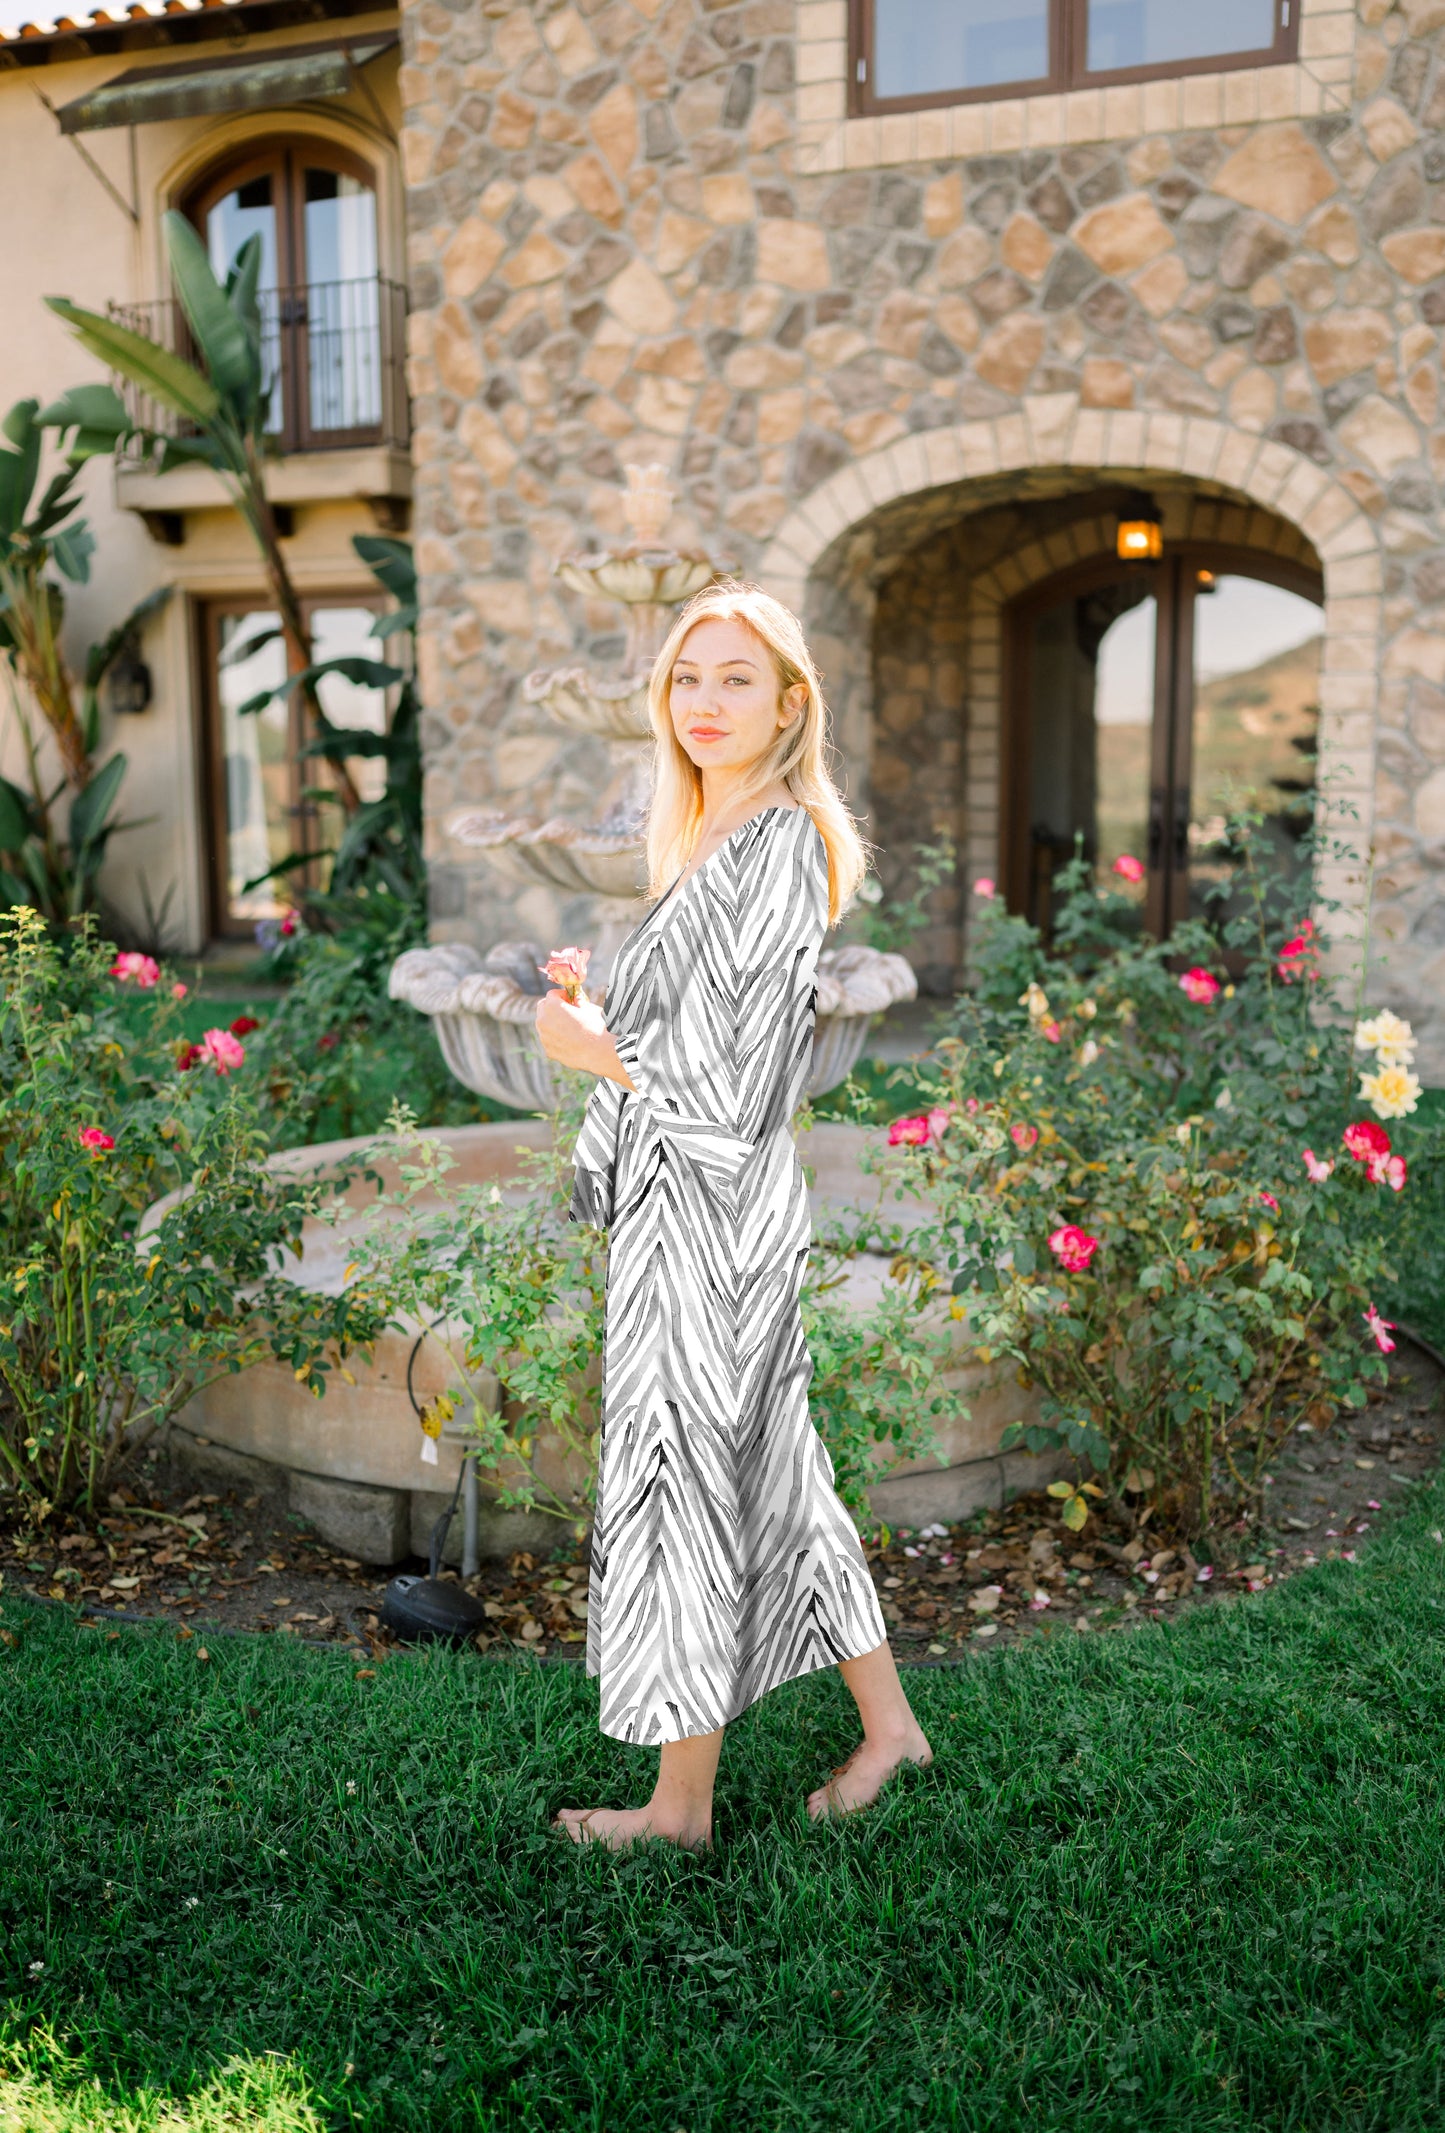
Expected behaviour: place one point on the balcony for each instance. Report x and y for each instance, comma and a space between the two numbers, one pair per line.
335, 363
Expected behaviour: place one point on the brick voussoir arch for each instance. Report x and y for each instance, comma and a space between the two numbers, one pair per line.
1053, 431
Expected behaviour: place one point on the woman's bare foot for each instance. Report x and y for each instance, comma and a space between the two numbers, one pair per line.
619, 1826
858, 1782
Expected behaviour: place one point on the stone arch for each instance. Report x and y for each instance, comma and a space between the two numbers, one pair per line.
812, 563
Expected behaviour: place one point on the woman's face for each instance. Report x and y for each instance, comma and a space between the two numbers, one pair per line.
725, 701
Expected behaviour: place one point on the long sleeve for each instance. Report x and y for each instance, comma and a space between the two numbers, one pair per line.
714, 1019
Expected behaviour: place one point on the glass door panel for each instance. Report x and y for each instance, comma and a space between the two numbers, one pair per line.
337, 633
1091, 688
255, 765
1255, 720
343, 318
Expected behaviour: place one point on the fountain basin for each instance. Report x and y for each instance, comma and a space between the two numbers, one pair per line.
483, 1008
613, 710
352, 1459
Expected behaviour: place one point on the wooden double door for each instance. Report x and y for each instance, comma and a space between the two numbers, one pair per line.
1144, 704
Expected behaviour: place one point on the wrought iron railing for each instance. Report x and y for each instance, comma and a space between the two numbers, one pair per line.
333, 356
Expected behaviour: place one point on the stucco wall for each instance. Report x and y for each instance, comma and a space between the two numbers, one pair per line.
633, 235
68, 237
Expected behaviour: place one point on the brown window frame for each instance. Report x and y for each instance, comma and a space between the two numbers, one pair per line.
284, 158
302, 813
1172, 732
1068, 44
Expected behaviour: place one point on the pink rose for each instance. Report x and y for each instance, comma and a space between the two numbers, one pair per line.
1381, 1328
97, 1142
908, 1132
567, 967
1024, 1137
1053, 1032
1199, 986
1073, 1248
178, 992
133, 969
1365, 1139
224, 1051
937, 1119
288, 925
1299, 957
1270, 1202
1388, 1170
985, 886
1128, 867
1317, 1169
972, 1106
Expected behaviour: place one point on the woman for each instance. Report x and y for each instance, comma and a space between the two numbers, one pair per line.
723, 1561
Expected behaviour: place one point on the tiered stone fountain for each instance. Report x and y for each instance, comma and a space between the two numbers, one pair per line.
484, 1005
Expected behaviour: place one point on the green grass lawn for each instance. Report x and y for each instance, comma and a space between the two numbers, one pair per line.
1184, 1878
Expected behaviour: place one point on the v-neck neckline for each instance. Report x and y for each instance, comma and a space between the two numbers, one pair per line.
777, 808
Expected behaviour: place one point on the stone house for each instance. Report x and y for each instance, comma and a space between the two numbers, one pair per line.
918, 301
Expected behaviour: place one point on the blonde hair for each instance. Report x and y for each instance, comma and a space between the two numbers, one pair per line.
797, 758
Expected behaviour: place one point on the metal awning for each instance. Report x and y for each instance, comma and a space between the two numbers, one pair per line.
212, 88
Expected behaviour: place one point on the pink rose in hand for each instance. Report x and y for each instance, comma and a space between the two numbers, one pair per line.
567, 967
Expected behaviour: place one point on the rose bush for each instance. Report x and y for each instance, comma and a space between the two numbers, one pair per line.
1128, 1196
104, 1333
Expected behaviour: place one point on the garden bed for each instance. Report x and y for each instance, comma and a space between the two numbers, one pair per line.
237, 1559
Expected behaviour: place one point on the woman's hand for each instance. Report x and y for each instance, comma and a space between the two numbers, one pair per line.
577, 1036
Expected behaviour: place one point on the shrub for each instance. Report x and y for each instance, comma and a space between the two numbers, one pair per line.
1140, 1192
105, 1332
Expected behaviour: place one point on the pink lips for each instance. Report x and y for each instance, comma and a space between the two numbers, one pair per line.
707, 733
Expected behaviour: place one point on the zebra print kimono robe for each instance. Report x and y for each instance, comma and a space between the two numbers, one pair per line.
723, 1561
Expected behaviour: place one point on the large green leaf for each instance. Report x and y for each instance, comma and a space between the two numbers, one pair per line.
16, 822
363, 673
90, 808
168, 378
392, 562
19, 468
101, 657
72, 547
220, 332
57, 503
96, 413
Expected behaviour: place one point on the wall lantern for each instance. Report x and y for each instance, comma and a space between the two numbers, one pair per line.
129, 684
1140, 539
1204, 581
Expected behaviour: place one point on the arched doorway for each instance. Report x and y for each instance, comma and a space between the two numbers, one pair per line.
1144, 704
313, 207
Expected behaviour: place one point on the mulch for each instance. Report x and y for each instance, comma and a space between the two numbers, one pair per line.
230, 1560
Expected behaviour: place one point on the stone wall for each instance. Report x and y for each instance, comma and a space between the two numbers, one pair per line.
623, 247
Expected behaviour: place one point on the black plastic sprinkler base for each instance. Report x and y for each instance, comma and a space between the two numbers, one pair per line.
421, 1609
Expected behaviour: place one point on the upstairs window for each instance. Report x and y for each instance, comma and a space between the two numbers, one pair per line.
908, 54
329, 339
